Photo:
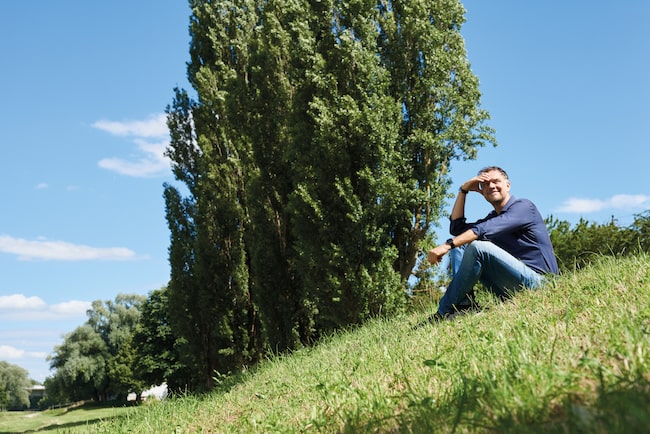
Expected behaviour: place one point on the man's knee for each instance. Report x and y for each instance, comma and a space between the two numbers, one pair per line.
477, 247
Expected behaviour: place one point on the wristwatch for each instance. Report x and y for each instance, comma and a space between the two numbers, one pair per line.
450, 241
460, 190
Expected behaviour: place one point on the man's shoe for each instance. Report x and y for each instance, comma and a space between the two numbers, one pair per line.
463, 310
435, 318
472, 307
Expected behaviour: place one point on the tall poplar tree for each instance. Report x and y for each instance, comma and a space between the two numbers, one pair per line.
208, 295
315, 157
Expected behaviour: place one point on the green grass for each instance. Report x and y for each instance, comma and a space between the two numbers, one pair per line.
572, 357
72, 418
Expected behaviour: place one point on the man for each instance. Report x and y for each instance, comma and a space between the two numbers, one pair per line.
508, 250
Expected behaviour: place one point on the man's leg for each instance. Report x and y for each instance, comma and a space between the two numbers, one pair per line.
499, 270
455, 258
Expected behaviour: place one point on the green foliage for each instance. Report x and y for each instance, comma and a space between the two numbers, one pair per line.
577, 246
208, 292
13, 384
120, 369
80, 364
315, 160
95, 360
115, 321
158, 349
641, 229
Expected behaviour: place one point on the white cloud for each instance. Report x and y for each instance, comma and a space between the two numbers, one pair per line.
9, 352
154, 127
150, 137
70, 308
616, 202
578, 205
623, 201
151, 163
41, 186
61, 250
18, 307
19, 302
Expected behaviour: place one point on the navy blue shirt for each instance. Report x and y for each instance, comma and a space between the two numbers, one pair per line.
519, 230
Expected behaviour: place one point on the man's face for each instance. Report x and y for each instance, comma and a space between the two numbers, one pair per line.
495, 188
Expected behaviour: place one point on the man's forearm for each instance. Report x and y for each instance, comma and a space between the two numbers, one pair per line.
465, 238
459, 206
436, 254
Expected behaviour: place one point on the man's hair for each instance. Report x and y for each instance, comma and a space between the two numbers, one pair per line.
491, 168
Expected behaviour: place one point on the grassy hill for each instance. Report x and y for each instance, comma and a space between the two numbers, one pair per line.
573, 357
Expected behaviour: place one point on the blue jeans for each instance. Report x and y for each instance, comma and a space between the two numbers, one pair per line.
455, 258
499, 271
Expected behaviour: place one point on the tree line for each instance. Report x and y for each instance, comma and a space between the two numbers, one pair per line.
129, 344
576, 246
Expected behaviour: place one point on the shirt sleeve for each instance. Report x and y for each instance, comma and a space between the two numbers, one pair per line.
515, 216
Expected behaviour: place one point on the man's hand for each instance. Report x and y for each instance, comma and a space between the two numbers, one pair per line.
476, 183
436, 254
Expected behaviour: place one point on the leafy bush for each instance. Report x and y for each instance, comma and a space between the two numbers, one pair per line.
577, 246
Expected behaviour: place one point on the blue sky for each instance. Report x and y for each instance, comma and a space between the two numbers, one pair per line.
85, 89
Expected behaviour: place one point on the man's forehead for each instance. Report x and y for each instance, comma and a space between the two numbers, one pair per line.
494, 174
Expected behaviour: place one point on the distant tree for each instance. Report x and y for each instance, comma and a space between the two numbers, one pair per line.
14, 382
115, 320
120, 370
641, 227
80, 364
159, 350
95, 360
